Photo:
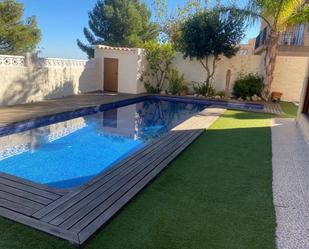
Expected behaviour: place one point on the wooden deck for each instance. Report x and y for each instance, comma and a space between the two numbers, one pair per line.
77, 214
272, 108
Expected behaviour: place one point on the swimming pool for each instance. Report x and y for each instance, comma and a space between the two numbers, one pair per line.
68, 153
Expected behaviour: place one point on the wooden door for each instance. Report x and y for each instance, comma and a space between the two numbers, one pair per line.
110, 74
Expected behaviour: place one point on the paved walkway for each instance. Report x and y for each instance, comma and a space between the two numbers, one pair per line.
290, 184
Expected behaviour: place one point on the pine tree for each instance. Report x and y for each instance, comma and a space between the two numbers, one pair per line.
118, 23
17, 37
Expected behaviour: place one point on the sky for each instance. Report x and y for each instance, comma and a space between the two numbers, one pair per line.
62, 22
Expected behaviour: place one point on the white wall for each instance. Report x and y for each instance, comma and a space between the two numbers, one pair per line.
23, 81
130, 63
26, 82
289, 74
195, 72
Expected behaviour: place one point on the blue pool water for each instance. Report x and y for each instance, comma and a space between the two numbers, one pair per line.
69, 153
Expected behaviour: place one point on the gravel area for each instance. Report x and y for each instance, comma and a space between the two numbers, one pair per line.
290, 184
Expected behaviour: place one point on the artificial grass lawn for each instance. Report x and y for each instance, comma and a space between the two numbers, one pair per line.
217, 194
289, 109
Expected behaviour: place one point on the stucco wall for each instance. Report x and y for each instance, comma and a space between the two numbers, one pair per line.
289, 76
21, 84
130, 64
241, 63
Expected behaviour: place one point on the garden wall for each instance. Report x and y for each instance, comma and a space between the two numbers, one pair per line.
243, 62
24, 80
289, 74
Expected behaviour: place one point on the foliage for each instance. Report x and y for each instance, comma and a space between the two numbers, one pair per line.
205, 89
118, 23
151, 89
170, 21
17, 36
209, 35
176, 82
248, 85
220, 93
159, 57
278, 15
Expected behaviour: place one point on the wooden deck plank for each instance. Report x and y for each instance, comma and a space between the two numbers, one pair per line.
28, 188
19, 208
20, 200
33, 184
42, 226
106, 189
112, 210
53, 210
27, 195
93, 201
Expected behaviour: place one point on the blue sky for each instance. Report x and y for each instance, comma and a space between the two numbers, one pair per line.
62, 21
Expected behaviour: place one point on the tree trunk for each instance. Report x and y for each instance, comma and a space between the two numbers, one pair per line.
210, 71
272, 45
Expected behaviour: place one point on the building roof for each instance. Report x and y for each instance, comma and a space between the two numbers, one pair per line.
115, 48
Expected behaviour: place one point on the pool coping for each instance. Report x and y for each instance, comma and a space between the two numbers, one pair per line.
41, 207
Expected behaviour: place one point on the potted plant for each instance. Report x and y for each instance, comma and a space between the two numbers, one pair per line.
276, 96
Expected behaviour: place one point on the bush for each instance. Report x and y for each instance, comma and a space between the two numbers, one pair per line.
176, 81
248, 85
221, 94
151, 89
204, 89
159, 57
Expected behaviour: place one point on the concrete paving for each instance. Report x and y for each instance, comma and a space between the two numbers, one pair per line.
290, 184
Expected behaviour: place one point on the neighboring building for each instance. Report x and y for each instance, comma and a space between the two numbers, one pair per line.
292, 42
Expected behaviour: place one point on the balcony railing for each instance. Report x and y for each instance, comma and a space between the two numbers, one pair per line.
292, 37
261, 38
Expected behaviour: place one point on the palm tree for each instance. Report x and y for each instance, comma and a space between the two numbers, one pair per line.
278, 15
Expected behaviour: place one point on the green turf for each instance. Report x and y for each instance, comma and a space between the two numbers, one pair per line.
217, 194
289, 109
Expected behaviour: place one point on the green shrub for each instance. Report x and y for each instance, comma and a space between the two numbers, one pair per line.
248, 85
159, 57
176, 81
204, 89
151, 89
221, 94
